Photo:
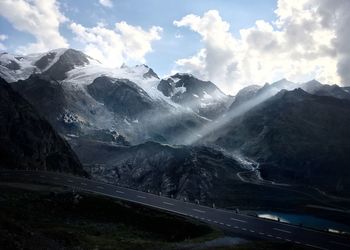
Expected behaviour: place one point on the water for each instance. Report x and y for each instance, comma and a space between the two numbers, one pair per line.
305, 220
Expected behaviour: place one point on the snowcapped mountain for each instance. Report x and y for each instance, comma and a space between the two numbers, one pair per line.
81, 97
314, 87
13, 68
84, 98
178, 91
55, 64
203, 97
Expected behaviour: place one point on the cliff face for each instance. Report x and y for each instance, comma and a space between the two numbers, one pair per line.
27, 141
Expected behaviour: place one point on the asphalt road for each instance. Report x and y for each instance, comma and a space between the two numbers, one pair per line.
229, 221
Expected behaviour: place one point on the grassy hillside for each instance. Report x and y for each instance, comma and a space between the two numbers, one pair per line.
42, 217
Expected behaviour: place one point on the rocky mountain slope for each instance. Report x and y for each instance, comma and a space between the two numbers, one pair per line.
27, 141
297, 138
182, 171
194, 173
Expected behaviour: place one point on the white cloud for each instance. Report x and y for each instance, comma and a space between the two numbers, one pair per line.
216, 60
124, 43
307, 40
106, 3
41, 18
3, 38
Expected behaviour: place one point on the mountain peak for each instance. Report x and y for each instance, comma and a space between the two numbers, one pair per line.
183, 75
314, 80
294, 94
248, 89
281, 80
142, 65
150, 73
311, 86
58, 62
283, 83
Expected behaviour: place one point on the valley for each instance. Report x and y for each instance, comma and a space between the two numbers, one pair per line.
131, 128
281, 147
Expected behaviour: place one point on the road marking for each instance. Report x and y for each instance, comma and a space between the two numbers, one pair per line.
243, 221
287, 239
146, 204
244, 229
228, 225
252, 231
70, 181
82, 183
202, 218
208, 219
120, 192
309, 245
269, 235
199, 211
168, 203
100, 187
261, 233
142, 197
297, 242
341, 244
236, 227
278, 238
215, 221
281, 230
221, 223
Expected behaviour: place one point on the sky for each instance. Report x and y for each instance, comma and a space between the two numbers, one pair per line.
232, 43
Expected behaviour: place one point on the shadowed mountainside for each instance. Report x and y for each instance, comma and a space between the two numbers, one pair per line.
27, 141
296, 137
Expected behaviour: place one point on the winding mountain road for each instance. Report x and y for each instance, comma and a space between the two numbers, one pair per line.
229, 221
